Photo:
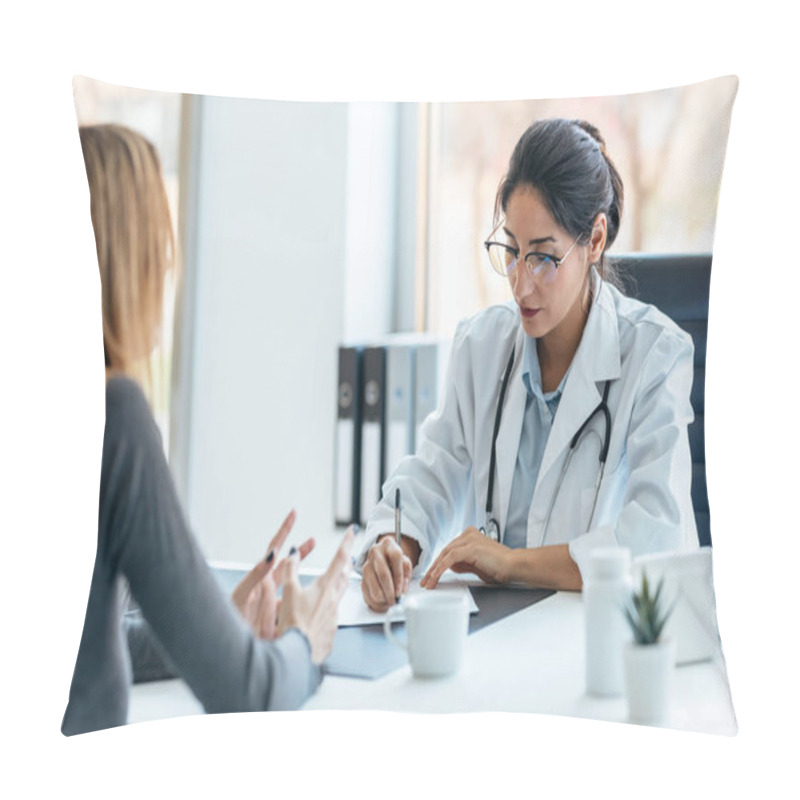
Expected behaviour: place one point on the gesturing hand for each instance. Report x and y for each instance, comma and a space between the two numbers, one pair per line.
314, 609
256, 596
473, 552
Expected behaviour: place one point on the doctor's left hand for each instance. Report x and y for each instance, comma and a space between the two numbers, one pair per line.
472, 552
256, 596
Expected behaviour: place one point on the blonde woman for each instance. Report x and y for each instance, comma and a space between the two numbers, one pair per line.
250, 652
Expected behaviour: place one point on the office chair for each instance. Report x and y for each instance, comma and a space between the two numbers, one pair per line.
678, 285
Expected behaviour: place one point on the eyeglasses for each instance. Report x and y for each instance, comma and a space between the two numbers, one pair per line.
504, 259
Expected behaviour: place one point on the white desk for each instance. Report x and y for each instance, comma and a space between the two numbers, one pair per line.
532, 661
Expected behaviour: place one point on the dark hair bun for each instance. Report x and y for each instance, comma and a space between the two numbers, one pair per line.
593, 132
614, 211
565, 160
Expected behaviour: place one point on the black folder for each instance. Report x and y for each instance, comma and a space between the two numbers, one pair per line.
373, 430
347, 467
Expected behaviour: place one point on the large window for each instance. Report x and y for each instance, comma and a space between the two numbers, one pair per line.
668, 146
156, 115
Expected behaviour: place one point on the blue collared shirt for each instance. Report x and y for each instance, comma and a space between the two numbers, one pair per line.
540, 410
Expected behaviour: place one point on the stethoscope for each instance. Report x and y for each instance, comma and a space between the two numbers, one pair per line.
491, 528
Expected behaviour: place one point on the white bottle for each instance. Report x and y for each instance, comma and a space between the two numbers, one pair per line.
605, 592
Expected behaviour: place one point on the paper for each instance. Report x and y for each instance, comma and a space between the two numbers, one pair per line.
354, 611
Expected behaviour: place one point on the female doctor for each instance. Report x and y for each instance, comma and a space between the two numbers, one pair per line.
563, 425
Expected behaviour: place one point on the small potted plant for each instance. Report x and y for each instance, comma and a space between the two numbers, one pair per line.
649, 659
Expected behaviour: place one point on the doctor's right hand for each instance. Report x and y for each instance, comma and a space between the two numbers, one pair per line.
387, 572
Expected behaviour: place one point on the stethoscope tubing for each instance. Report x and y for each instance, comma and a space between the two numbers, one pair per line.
491, 527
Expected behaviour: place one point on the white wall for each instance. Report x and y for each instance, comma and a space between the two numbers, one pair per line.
280, 276
371, 220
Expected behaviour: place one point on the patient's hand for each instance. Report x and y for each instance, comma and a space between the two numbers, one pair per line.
256, 596
314, 609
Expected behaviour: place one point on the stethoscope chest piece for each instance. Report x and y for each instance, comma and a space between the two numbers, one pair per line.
491, 529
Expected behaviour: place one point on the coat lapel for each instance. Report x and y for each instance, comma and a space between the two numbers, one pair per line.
596, 360
510, 431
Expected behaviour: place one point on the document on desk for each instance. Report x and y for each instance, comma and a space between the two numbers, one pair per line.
354, 611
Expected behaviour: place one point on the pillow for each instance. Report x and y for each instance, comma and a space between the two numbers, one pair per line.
300, 233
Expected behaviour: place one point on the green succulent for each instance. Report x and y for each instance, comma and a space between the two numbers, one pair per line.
645, 612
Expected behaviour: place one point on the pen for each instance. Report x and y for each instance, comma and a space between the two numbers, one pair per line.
397, 525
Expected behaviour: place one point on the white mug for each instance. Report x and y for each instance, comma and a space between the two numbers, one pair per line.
436, 624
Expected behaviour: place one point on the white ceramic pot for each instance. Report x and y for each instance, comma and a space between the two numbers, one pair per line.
648, 679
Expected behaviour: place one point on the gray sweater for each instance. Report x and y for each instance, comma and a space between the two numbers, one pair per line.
144, 546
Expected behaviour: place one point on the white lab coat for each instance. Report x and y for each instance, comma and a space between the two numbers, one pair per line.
645, 496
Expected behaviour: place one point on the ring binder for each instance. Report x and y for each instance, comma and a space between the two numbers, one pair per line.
348, 436
373, 438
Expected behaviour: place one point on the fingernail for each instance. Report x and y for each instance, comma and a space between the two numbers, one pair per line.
270, 556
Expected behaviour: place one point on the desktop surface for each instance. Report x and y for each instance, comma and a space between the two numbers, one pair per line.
531, 660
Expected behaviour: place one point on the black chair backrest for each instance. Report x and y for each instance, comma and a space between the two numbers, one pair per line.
678, 285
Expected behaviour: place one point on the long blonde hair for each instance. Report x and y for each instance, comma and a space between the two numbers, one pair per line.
135, 245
